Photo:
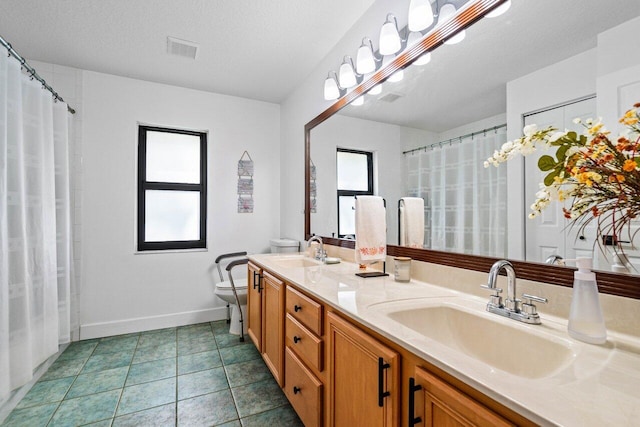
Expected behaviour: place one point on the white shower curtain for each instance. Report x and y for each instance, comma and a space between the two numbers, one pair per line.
35, 226
465, 204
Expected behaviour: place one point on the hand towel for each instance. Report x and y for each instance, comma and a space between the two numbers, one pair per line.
371, 230
412, 222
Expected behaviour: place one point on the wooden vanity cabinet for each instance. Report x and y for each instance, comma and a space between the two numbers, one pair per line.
273, 325
436, 403
363, 377
337, 372
254, 305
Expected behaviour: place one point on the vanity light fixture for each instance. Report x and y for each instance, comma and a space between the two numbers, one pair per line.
398, 75
376, 90
390, 41
423, 59
331, 89
447, 10
499, 10
347, 73
358, 101
366, 59
420, 15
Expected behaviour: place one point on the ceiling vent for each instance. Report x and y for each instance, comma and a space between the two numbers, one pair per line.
183, 48
390, 97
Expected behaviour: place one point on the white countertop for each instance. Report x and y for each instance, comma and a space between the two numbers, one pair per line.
595, 386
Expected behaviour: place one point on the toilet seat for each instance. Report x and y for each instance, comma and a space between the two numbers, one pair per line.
226, 285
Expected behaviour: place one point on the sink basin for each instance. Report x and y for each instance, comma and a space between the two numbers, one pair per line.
516, 349
296, 262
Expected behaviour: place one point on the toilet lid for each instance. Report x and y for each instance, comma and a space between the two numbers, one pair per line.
240, 284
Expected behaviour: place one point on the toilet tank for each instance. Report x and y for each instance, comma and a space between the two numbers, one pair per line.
284, 246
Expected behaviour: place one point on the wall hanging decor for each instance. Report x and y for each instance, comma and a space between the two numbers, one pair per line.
313, 190
245, 183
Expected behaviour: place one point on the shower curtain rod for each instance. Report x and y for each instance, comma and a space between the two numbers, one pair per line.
457, 138
32, 72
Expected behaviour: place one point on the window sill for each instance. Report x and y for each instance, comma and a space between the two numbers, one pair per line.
170, 251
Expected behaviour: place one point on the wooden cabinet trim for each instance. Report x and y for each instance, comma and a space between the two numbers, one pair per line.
304, 343
273, 326
305, 310
308, 396
338, 328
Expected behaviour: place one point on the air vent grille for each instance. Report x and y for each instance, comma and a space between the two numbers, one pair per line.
183, 48
390, 97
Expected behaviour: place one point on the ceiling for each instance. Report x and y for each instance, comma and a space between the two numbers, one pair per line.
249, 48
466, 82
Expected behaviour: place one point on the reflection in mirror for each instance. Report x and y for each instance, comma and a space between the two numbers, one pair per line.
430, 132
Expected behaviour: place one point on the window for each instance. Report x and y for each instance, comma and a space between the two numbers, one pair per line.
355, 178
172, 189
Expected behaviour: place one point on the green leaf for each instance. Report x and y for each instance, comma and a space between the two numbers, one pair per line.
546, 163
561, 154
637, 159
549, 179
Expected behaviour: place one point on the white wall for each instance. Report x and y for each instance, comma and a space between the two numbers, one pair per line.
123, 291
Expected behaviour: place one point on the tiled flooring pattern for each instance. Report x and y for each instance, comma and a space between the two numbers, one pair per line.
197, 375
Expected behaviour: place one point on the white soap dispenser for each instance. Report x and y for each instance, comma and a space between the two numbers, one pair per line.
586, 322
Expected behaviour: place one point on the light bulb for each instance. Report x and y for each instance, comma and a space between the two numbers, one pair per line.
423, 59
397, 76
331, 90
365, 62
499, 10
447, 11
420, 15
376, 90
389, 37
358, 101
346, 74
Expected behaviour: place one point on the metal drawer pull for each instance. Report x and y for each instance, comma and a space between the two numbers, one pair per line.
297, 308
296, 390
296, 340
382, 394
412, 402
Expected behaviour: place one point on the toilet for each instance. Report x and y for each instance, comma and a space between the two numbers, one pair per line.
224, 291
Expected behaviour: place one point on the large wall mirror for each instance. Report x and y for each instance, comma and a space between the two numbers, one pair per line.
430, 133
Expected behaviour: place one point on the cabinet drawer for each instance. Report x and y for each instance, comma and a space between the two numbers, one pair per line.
305, 310
304, 343
303, 390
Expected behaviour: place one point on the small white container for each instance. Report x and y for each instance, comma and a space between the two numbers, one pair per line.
402, 269
586, 322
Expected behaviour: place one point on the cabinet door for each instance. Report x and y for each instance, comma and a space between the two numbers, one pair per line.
444, 406
363, 375
273, 325
254, 305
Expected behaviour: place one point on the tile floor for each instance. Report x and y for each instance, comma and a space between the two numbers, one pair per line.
196, 375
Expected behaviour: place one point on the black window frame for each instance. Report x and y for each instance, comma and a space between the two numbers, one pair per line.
144, 185
354, 193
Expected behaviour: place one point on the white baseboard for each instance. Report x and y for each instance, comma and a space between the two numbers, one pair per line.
140, 324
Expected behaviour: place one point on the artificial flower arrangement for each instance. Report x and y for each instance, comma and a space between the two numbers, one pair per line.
600, 177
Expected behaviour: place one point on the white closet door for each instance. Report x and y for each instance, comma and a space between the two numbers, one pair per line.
549, 233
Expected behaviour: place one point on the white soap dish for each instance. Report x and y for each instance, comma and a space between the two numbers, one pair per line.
332, 260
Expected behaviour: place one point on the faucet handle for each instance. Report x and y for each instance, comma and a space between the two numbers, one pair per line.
528, 306
495, 299
489, 288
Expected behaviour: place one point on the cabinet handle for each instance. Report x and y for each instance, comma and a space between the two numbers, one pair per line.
256, 283
381, 393
413, 387
297, 308
296, 340
296, 390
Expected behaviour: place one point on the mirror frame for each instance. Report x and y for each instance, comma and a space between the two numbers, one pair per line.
610, 283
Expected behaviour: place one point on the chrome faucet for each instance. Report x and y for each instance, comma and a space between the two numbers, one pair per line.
320, 254
513, 307
554, 259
